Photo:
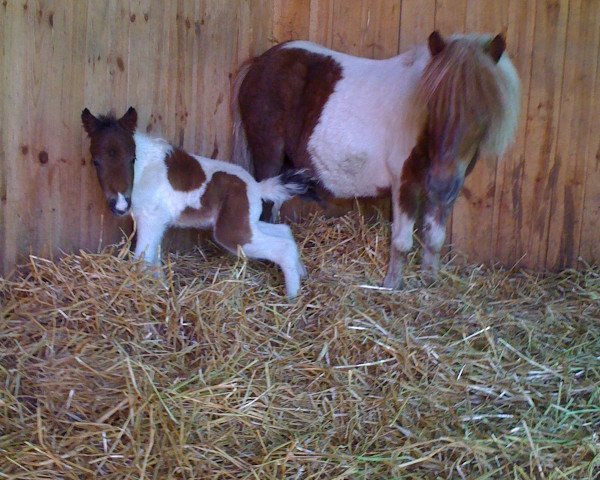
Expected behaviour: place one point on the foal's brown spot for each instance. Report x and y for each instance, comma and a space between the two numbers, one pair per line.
281, 100
225, 206
184, 171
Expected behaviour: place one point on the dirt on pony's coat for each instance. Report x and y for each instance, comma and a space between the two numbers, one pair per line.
171, 188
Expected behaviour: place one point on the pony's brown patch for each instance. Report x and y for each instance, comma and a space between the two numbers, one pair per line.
413, 176
281, 99
225, 206
184, 171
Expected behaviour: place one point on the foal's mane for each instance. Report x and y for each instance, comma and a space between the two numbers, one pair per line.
107, 121
465, 90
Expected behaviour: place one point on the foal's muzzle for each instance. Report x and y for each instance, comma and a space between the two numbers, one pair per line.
120, 205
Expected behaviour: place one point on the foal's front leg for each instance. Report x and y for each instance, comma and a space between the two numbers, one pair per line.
404, 209
149, 236
435, 217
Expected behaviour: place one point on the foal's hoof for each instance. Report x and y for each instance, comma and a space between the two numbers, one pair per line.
302, 270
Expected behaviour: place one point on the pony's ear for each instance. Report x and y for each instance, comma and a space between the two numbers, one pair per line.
436, 43
496, 47
129, 120
90, 123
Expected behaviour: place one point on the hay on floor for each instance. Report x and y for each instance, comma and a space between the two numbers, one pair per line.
106, 371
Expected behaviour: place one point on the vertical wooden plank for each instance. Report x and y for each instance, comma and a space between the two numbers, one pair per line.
589, 237
320, 29
508, 205
291, 19
217, 60
566, 201
367, 28
71, 99
417, 21
26, 222
4, 266
187, 30
472, 219
541, 166
450, 16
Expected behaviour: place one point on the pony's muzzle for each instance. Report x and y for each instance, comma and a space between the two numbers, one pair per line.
120, 205
443, 190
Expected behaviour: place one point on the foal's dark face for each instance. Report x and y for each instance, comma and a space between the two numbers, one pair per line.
113, 153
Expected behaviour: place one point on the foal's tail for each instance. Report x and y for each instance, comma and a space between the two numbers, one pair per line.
290, 183
241, 152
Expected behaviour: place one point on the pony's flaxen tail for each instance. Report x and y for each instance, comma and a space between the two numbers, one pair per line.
241, 152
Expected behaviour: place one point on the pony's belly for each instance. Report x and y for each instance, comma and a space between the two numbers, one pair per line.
351, 175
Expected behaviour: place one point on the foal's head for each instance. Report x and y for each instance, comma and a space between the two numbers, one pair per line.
464, 104
113, 154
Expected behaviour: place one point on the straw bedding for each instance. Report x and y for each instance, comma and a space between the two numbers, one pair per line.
107, 371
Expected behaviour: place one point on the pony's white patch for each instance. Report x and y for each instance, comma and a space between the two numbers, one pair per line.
121, 204
353, 148
436, 233
402, 234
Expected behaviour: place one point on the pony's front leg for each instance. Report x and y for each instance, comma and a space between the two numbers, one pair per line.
149, 236
434, 234
401, 243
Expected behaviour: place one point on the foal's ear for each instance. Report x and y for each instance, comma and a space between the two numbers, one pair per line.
496, 47
90, 123
129, 120
436, 43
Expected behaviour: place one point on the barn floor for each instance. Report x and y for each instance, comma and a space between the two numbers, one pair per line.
486, 374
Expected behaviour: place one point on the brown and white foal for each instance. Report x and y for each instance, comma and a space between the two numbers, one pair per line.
163, 186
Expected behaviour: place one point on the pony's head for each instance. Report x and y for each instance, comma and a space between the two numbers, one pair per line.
113, 153
471, 97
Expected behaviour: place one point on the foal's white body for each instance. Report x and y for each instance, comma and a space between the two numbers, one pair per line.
156, 206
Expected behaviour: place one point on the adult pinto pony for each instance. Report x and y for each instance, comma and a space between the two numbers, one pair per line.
413, 125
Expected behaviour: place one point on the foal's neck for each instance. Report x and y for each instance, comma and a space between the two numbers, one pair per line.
149, 150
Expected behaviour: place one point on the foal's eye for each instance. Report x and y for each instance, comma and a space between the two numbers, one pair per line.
95, 162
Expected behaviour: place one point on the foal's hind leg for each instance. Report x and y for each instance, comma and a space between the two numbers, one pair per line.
279, 250
284, 231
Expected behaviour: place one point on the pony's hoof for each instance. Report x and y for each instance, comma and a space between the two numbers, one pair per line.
393, 283
429, 277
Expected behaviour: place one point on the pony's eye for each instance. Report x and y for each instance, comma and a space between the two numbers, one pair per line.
95, 162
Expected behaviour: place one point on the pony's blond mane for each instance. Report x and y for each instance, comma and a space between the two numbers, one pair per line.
467, 95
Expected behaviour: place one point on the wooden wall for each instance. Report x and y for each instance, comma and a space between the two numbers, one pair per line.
173, 60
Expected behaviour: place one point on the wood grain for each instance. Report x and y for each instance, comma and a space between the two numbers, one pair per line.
174, 62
